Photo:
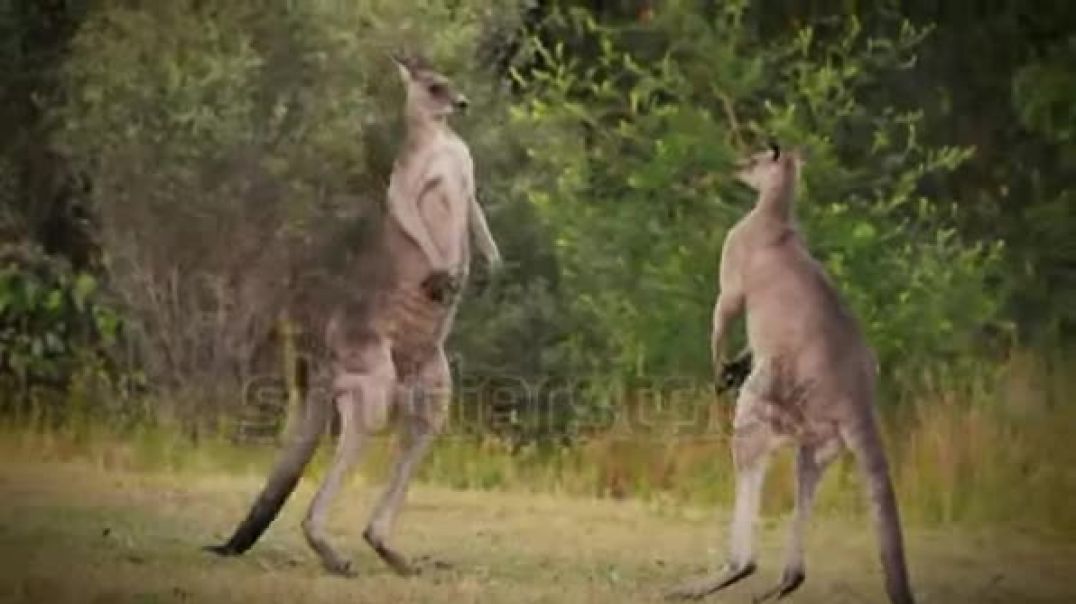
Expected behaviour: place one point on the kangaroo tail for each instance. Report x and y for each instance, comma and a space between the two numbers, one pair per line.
866, 444
281, 482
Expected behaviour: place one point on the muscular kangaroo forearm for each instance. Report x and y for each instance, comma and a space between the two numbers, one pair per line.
483, 238
414, 227
726, 309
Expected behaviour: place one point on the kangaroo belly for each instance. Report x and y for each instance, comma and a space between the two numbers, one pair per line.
790, 401
416, 326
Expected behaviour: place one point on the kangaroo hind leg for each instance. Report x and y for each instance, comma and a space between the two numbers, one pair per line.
752, 443
362, 401
423, 404
811, 463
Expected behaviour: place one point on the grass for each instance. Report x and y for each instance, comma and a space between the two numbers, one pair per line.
980, 452
954, 463
76, 532
984, 467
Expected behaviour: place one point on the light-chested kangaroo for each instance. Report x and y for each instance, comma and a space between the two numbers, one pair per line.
385, 343
812, 382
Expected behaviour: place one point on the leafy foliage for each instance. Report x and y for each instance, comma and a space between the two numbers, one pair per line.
1043, 93
233, 150
229, 150
635, 148
54, 323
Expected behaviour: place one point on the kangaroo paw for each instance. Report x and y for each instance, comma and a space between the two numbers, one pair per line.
441, 287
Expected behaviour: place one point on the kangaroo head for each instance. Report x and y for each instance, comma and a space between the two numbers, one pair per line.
430, 95
772, 170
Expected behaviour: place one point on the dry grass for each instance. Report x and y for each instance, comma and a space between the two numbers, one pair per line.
74, 532
985, 470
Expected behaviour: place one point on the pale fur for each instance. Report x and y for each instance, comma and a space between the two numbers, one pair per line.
386, 342
812, 383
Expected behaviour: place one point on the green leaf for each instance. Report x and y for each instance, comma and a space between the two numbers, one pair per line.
864, 232
85, 285
54, 301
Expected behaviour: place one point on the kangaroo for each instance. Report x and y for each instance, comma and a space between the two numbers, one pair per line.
812, 381
385, 343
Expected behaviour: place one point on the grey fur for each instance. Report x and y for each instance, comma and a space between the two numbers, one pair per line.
812, 382
386, 342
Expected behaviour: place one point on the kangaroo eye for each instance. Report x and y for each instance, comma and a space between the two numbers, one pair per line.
437, 89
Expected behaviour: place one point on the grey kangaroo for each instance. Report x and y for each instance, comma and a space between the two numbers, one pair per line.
385, 343
812, 381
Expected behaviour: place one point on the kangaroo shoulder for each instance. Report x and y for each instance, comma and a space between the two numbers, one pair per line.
734, 237
739, 239
449, 156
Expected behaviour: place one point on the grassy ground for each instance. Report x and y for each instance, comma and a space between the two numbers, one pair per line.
73, 532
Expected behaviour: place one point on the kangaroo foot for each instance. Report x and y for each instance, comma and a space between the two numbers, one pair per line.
396, 561
704, 586
791, 579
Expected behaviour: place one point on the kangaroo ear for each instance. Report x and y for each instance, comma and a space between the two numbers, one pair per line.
799, 156
775, 149
402, 65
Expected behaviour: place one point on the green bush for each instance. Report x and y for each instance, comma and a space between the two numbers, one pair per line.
633, 133
234, 150
55, 324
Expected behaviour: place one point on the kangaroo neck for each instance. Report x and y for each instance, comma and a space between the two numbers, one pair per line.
775, 203
422, 128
